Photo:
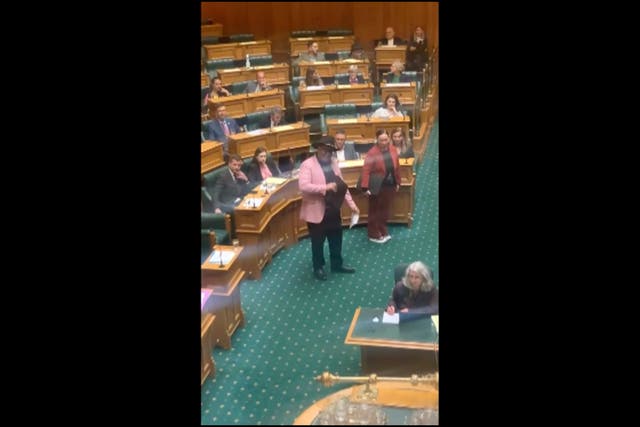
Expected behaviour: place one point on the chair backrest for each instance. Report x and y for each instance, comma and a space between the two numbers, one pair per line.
212, 65
398, 272
210, 40
261, 60
303, 33
236, 88
241, 38
375, 106
340, 111
343, 78
203, 128
294, 88
254, 119
339, 32
343, 54
412, 76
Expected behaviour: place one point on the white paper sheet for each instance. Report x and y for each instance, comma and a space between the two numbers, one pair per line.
354, 219
225, 255
391, 318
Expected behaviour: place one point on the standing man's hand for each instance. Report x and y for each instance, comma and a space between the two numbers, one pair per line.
331, 187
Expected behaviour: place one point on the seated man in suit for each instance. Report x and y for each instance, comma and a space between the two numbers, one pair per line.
221, 127
344, 150
230, 186
390, 39
312, 54
259, 85
276, 118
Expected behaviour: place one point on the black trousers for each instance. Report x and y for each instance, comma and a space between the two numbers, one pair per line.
331, 229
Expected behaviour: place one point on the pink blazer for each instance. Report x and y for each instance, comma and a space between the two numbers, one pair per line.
312, 185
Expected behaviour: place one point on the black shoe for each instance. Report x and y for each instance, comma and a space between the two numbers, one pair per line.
344, 269
320, 274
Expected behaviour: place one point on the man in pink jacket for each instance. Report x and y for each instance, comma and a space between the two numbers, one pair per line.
323, 192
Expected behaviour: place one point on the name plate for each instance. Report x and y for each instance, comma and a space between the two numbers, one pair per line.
231, 70
246, 43
344, 121
336, 37
315, 87
397, 85
321, 62
303, 38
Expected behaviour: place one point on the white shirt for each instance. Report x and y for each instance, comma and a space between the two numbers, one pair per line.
340, 155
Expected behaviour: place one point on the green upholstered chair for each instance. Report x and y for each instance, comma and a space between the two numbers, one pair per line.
234, 38
212, 65
210, 40
203, 129
257, 60
398, 272
343, 78
214, 228
375, 106
237, 88
303, 33
337, 111
254, 119
339, 32
343, 54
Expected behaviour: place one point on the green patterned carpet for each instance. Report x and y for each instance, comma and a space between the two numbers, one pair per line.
295, 326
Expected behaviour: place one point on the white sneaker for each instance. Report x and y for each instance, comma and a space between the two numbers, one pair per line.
386, 238
378, 240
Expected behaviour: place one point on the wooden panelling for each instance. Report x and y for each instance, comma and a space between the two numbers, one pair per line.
368, 20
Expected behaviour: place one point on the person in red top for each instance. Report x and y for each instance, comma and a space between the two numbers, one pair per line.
380, 182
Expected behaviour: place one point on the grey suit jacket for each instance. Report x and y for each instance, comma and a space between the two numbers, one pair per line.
309, 58
350, 151
251, 87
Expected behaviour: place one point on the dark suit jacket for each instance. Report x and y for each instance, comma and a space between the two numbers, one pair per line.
417, 59
267, 123
397, 41
251, 87
214, 131
254, 175
226, 191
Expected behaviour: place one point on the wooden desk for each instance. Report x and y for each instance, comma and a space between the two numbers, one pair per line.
293, 138
238, 50
316, 99
328, 69
406, 92
225, 282
243, 104
330, 44
271, 226
211, 30
403, 201
210, 156
393, 350
204, 79
207, 365
391, 397
387, 55
276, 74
361, 129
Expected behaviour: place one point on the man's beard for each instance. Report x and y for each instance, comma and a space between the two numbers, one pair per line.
323, 161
